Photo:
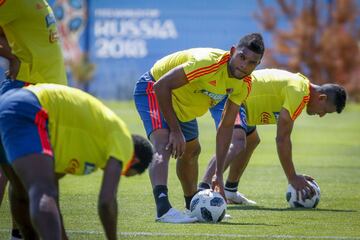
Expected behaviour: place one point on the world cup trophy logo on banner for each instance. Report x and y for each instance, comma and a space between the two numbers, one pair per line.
72, 18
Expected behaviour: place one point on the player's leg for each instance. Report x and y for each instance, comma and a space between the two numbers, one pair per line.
237, 145
187, 170
23, 129
237, 168
3, 183
19, 206
240, 162
6, 85
36, 172
158, 133
149, 111
158, 170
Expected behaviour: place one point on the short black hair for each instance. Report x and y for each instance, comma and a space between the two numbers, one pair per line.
336, 95
254, 42
143, 151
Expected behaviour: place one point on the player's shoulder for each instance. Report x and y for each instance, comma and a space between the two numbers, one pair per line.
206, 54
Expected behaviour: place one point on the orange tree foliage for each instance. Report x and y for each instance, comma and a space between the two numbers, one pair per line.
320, 38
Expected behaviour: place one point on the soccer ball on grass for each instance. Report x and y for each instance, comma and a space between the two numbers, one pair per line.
208, 206
309, 202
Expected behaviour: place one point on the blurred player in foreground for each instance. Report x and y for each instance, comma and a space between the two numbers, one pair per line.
50, 130
277, 97
29, 41
179, 88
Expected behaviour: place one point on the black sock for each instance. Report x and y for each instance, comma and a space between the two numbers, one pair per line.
188, 201
161, 199
203, 186
231, 186
16, 233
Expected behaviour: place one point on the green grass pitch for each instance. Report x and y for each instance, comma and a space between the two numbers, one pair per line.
327, 149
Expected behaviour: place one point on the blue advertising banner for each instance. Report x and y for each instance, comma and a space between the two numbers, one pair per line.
127, 37
109, 44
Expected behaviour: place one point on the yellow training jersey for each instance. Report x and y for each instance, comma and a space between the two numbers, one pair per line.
272, 90
207, 72
30, 28
84, 133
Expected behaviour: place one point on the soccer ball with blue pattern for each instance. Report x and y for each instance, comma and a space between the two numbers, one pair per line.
208, 206
308, 201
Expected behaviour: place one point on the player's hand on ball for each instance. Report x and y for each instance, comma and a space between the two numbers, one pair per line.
217, 184
303, 188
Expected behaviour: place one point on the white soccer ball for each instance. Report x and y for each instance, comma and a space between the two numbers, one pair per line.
208, 206
309, 202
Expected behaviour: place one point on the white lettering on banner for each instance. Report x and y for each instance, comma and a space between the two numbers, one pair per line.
123, 33
120, 48
133, 28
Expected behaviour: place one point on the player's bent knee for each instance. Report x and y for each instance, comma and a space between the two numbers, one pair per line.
237, 146
43, 198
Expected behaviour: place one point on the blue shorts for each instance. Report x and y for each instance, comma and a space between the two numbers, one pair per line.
149, 110
6, 85
23, 125
240, 121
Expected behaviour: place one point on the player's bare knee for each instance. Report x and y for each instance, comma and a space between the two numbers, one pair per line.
192, 153
237, 146
43, 198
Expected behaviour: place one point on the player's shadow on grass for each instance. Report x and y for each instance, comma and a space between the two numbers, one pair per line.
240, 207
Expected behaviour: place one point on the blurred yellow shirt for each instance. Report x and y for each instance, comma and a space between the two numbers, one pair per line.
84, 133
272, 90
206, 70
30, 28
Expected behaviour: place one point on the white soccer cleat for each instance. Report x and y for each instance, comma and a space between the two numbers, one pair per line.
175, 216
238, 198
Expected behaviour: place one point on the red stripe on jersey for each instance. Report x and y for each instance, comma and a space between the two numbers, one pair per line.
40, 120
208, 69
299, 109
248, 81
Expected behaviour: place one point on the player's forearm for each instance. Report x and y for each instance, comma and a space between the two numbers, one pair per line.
223, 139
163, 95
5, 50
108, 216
284, 149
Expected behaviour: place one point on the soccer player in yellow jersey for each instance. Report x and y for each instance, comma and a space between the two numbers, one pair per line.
49, 130
179, 88
277, 97
29, 41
